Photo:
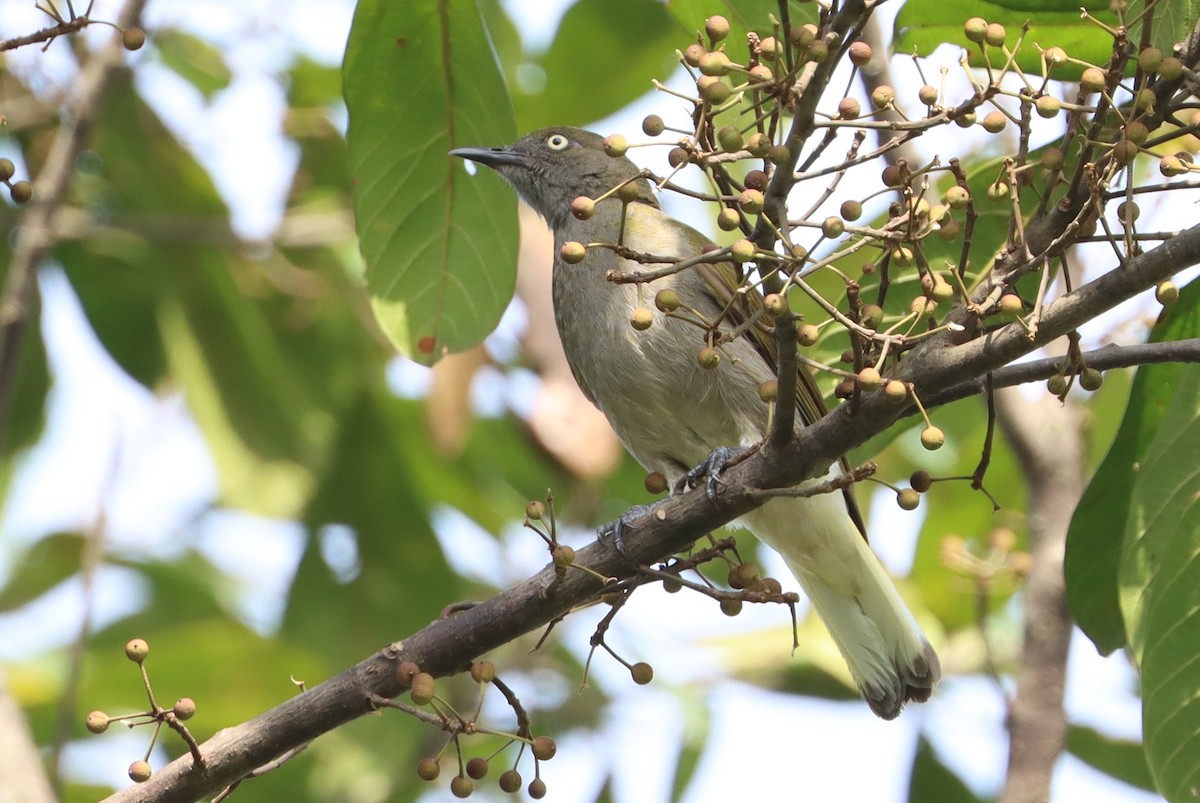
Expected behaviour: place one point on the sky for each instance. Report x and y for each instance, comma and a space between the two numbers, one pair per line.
110, 439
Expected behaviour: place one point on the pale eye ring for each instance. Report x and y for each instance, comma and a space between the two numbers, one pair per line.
557, 142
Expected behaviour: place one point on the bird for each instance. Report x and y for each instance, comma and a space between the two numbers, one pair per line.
680, 418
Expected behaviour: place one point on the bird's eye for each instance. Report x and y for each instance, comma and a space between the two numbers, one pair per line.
557, 142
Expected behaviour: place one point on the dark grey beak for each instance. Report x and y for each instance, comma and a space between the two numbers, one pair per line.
492, 157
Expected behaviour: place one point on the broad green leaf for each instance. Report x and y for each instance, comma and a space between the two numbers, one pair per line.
43, 566
420, 79
1160, 591
933, 780
923, 25
1094, 541
743, 15
603, 57
196, 61
1119, 758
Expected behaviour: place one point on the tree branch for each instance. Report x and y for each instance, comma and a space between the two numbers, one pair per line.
35, 236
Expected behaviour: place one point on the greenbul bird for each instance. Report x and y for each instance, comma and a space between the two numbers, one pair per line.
672, 413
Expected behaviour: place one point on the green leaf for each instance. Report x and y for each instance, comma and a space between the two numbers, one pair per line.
419, 79
1119, 758
1094, 541
43, 566
743, 15
194, 60
627, 42
933, 780
1160, 591
923, 25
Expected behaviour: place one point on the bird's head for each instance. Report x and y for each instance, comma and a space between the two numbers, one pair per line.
551, 167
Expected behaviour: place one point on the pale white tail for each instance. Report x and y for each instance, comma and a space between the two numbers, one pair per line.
889, 658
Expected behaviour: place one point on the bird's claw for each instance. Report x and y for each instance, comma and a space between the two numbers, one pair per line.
710, 471
614, 532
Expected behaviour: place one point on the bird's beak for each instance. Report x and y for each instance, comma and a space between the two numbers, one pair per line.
492, 157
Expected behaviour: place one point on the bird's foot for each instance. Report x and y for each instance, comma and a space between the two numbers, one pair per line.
710, 469
613, 533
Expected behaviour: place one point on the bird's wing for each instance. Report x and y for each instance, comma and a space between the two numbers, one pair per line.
722, 280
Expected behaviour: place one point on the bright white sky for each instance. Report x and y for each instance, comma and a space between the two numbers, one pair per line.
110, 439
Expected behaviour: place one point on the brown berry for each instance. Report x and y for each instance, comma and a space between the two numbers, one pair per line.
510, 781
133, 38
544, 748
139, 771
851, 210
642, 673
807, 334
921, 481
428, 769
7, 168
859, 52
995, 34
483, 671
537, 789
717, 28
461, 786
97, 722
756, 180
708, 357
184, 708
423, 689
477, 768
652, 126
975, 29
405, 673
572, 252
583, 207
655, 482
896, 391
21, 191
849, 109
908, 499
562, 555
1092, 80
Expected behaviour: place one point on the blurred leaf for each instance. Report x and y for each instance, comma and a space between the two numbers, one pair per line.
1119, 758
1160, 590
923, 25
41, 567
440, 246
695, 737
1094, 541
627, 43
933, 780
311, 84
199, 63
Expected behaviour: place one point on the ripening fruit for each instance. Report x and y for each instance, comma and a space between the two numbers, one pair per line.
817, 52
745, 575
583, 207
1052, 158
761, 73
1128, 212
544, 748
965, 120
956, 197
849, 109
1011, 304
1166, 293
713, 89
677, 157
758, 144
1150, 59
717, 28
807, 334
1047, 106
7, 168
851, 210
655, 482
714, 63
184, 708
642, 673
994, 121
882, 97
921, 481
728, 219
908, 499
730, 138
998, 191
405, 672
860, 53
768, 48
942, 290
975, 29
1143, 101
923, 307
833, 227
562, 555
510, 781
483, 671
535, 510
756, 180
743, 250
97, 722
1090, 379
477, 768
778, 154
615, 145
751, 201
653, 125
1124, 151
709, 358
871, 315
423, 688
1092, 80
641, 319
803, 35
667, 300
1058, 385
768, 390
896, 391
928, 94
902, 255
1054, 56
21, 191
133, 38
139, 771
537, 789
1136, 131
869, 379
572, 252
461, 786
949, 230
932, 438
995, 34
136, 650
1170, 69
892, 176
775, 305
692, 54
731, 607
1171, 166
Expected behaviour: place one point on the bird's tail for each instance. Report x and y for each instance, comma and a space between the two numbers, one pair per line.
889, 658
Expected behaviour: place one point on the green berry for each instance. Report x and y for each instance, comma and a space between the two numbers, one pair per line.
535, 510
851, 210
708, 357
1092, 80
510, 781
139, 771
572, 252
728, 219
1167, 293
642, 673
908, 499
731, 607
483, 671
641, 319
461, 786
185, 708
1091, 379
583, 207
